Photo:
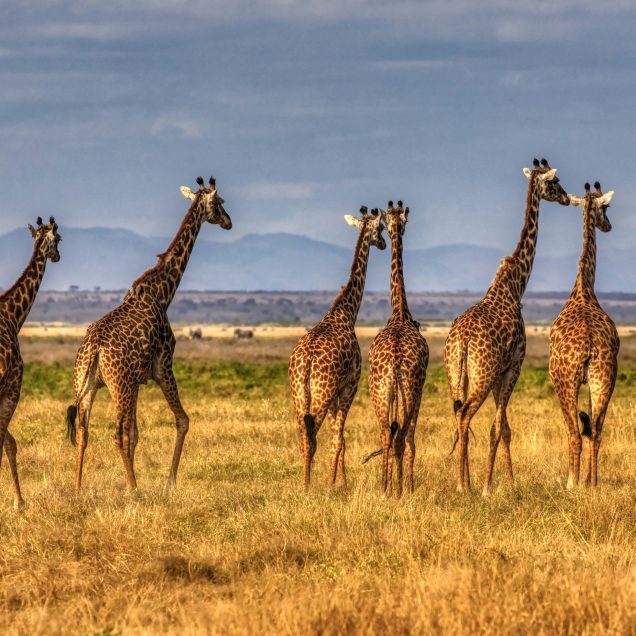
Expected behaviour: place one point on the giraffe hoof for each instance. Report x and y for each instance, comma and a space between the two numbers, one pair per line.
19, 505
486, 492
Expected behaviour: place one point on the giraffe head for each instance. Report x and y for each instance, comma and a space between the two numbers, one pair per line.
49, 238
209, 201
370, 225
395, 218
549, 187
598, 204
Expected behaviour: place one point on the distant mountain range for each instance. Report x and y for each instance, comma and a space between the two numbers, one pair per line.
113, 258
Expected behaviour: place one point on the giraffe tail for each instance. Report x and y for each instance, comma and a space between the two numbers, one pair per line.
71, 424
393, 411
71, 411
583, 416
308, 419
459, 381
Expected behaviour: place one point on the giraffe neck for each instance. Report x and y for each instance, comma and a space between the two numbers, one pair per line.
17, 301
584, 285
398, 294
160, 283
347, 303
514, 273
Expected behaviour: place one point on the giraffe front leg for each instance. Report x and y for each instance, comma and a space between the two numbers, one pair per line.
168, 385
8, 405
11, 449
338, 444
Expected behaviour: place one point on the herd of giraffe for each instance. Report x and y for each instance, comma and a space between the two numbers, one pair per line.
483, 353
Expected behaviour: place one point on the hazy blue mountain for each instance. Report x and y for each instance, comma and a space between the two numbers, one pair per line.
113, 258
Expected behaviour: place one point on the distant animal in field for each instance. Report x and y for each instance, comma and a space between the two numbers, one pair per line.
584, 346
397, 366
486, 344
135, 343
195, 333
243, 334
15, 305
324, 367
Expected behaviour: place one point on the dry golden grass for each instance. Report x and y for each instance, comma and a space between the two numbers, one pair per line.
241, 548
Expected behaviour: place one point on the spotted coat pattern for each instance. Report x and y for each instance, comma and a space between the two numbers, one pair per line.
134, 343
324, 367
584, 349
15, 305
486, 345
398, 359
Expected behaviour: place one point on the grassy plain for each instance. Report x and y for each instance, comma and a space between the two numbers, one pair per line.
240, 547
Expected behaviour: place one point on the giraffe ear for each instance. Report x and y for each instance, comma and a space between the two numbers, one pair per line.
352, 221
549, 175
606, 198
32, 230
187, 193
574, 200
527, 172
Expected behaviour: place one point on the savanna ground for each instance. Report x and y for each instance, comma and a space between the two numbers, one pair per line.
240, 547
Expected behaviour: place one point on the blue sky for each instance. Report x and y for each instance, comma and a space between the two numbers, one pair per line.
305, 110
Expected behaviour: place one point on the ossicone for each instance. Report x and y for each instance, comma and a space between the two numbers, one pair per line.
200, 181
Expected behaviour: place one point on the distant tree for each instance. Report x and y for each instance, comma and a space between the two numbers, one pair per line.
73, 288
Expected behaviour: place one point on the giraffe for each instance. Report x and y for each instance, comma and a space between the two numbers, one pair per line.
397, 365
324, 367
15, 305
486, 344
584, 345
134, 343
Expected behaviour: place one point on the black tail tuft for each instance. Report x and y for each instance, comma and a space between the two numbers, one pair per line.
71, 428
394, 429
587, 425
310, 428
457, 404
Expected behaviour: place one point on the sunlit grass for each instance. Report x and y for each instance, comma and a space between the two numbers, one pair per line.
241, 547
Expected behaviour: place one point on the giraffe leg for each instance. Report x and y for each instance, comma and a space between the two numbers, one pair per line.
7, 407
464, 417
400, 445
385, 440
502, 390
126, 402
168, 385
338, 445
11, 449
83, 416
601, 378
567, 391
308, 427
410, 444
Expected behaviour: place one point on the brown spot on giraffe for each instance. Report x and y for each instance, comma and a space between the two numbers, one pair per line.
584, 346
324, 367
397, 367
134, 342
15, 305
487, 343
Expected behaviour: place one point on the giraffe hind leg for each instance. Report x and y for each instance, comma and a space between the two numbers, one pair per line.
126, 412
